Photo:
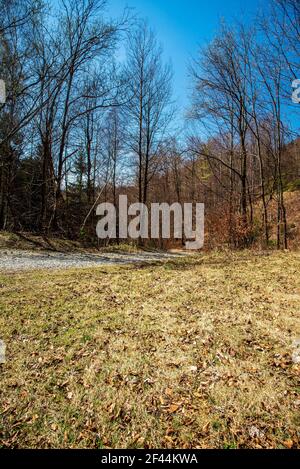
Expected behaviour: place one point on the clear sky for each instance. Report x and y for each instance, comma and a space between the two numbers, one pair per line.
182, 26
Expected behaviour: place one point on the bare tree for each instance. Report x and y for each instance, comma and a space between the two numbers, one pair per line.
149, 108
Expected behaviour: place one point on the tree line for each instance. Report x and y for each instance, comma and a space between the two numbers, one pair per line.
90, 115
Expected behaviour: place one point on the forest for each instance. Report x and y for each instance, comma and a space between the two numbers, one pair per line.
90, 114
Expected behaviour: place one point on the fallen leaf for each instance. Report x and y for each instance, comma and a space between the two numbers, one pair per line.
173, 408
205, 429
193, 369
288, 444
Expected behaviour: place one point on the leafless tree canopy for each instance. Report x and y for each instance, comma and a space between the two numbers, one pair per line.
82, 123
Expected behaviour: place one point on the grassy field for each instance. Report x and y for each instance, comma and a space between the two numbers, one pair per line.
187, 354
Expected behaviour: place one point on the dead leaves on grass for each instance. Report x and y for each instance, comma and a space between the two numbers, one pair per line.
178, 366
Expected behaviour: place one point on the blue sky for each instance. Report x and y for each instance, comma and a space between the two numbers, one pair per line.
183, 26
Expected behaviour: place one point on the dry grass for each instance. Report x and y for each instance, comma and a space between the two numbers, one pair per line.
30, 241
188, 354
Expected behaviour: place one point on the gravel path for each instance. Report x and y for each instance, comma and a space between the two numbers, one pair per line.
13, 260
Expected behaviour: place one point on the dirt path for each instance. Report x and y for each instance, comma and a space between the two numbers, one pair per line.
29, 260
